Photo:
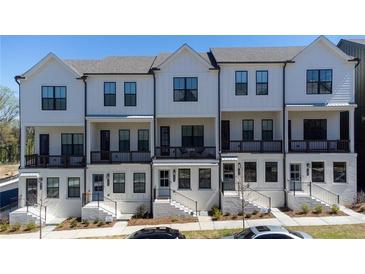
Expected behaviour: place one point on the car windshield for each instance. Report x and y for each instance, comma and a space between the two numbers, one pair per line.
245, 234
296, 234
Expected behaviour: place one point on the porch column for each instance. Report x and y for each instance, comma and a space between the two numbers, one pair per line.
22, 146
217, 137
152, 139
286, 137
88, 142
351, 130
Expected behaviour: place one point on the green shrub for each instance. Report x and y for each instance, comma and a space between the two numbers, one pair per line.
305, 208
73, 223
15, 227
101, 223
96, 221
248, 215
142, 211
4, 227
335, 209
216, 213
86, 223
30, 226
318, 209
240, 213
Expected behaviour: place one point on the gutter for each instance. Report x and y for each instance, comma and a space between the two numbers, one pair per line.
219, 137
357, 60
154, 135
17, 78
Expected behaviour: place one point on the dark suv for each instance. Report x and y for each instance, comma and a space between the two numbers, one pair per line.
157, 233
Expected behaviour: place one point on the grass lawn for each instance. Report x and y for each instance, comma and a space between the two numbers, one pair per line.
8, 170
163, 220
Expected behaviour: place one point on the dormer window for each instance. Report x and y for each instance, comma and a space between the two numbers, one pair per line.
319, 81
185, 89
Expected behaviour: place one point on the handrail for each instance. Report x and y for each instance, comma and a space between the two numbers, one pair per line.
115, 203
195, 203
33, 204
103, 156
174, 152
254, 146
328, 197
319, 145
267, 198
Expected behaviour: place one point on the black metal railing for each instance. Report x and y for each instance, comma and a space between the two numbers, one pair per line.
54, 161
103, 202
254, 146
323, 194
116, 157
33, 206
186, 152
319, 146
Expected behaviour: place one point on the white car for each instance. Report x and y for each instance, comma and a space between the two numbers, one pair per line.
269, 232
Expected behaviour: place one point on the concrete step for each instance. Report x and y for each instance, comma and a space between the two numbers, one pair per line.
296, 202
233, 204
165, 208
103, 212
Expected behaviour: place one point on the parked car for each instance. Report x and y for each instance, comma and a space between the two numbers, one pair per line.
269, 232
157, 233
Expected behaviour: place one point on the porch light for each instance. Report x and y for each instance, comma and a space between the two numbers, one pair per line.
174, 175
239, 169
107, 179
40, 180
308, 167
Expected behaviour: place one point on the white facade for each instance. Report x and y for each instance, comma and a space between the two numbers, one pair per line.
166, 151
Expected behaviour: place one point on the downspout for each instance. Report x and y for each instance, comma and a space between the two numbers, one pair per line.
17, 78
284, 140
154, 137
219, 137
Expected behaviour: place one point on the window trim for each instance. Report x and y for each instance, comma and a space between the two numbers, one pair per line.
68, 187
193, 136
134, 182
115, 94
318, 82
58, 188
277, 172
333, 173
324, 172
135, 94
178, 179
53, 89
72, 145
267, 82
123, 188
235, 82
185, 89
244, 169
210, 178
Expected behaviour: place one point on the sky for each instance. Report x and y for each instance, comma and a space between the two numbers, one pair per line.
19, 53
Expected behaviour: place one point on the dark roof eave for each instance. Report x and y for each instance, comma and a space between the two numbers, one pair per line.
117, 73
255, 62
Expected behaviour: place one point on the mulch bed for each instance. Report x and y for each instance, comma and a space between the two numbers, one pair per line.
360, 207
76, 223
16, 229
162, 220
294, 213
247, 217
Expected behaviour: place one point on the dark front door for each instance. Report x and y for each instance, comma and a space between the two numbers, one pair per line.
44, 148
165, 141
98, 187
104, 144
31, 191
225, 133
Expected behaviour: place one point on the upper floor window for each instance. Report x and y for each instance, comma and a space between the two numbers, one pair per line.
130, 94
110, 94
53, 98
72, 144
241, 82
192, 136
262, 80
124, 140
319, 81
185, 89
267, 130
247, 130
315, 129
143, 140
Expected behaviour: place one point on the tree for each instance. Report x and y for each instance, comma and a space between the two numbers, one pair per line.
9, 108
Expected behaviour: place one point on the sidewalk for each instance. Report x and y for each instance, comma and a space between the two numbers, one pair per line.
204, 223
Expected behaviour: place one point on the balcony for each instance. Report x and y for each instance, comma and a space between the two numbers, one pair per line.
117, 157
54, 161
305, 146
185, 152
254, 146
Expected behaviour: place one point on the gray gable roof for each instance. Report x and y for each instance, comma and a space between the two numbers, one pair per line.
255, 54
163, 56
358, 41
114, 64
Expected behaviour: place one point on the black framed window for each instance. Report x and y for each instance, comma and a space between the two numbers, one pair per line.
262, 82
124, 140
250, 172
318, 172
228, 172
110, 94
164, 178
72, 144
319, 81
118, 182
247, 130
53, 98
185, 89
241, 82
205, 178
267, 129
53, 187
192, 136
271, 172
73, 187
184, 178
130, 94
143, 140
139, 182
315, 129
339, 172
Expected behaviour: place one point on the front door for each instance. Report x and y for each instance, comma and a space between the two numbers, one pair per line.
165, 140
104, 144
225, 133
164, 189
98, 187
295, 177
31, 191
228, 177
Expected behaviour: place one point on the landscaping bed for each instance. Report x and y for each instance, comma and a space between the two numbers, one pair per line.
311, 213
358, 207
6, 228
76, 223
8, 170
234, 217
162, 220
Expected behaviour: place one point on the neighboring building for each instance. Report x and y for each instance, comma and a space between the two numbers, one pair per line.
356, 48
180, 133
8, 196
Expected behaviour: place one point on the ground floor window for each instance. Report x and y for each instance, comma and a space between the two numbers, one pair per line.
184, 178
73, 187
205, 178
118, 182
250, 172
271, 172
339, 172
139, 183
318, 172
53, 187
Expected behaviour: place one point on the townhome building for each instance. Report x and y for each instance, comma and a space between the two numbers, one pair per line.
178, 133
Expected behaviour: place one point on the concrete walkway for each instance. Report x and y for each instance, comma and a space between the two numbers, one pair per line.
204, 223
